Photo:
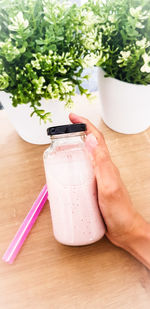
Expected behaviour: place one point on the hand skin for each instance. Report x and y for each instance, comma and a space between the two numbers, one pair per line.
125, 227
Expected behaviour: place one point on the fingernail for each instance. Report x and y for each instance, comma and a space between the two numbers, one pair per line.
91, 142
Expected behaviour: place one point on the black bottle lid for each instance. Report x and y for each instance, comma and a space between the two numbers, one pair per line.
68, 128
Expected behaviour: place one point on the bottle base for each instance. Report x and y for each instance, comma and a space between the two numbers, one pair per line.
79, 244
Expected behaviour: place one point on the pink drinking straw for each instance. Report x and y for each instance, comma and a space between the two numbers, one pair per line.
25, 227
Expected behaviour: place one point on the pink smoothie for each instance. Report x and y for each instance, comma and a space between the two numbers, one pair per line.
72, 194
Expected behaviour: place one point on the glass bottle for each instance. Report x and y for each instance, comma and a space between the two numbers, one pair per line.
71, 183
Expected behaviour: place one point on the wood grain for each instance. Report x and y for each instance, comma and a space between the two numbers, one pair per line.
48, 275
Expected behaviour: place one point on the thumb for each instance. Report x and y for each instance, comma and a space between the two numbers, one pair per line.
101, 158
99, 151
91, 143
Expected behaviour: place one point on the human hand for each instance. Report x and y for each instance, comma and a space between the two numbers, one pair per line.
121, 219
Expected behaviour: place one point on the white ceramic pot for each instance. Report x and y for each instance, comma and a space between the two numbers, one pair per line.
30, 128
125, 107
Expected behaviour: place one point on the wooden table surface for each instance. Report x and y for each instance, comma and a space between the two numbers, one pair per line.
48, 275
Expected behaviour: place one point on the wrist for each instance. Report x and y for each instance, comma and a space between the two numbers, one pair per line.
138, 243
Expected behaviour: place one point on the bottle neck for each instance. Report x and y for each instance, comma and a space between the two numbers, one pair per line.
69, 138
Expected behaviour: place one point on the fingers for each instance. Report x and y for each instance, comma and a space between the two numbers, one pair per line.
90, 128
107, 175
108, 179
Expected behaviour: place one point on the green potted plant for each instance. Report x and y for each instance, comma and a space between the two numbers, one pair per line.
123, 29
43, 51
